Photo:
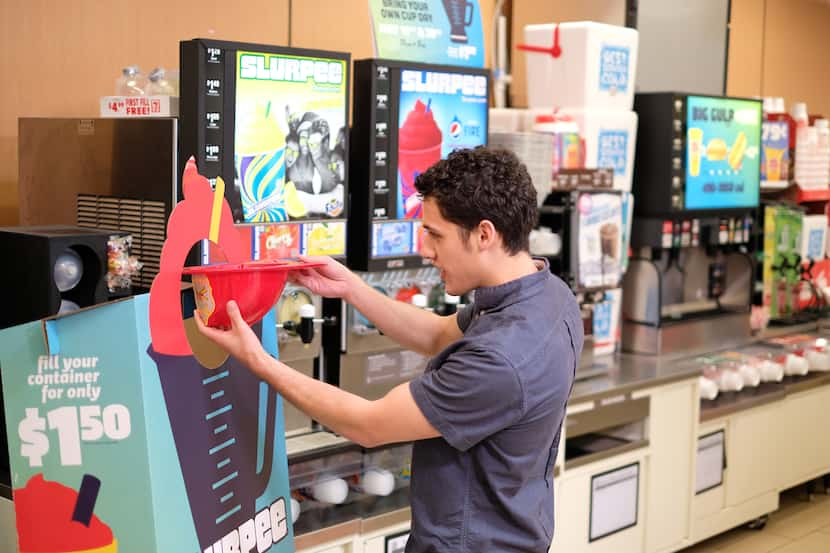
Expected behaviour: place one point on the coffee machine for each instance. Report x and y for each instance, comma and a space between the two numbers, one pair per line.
697, 179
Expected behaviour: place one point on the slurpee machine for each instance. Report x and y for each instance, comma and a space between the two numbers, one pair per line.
697, 183
407, 116
272, 122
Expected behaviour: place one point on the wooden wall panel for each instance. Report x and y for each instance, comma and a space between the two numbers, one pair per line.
744, 66
527, 12
796, 50
58, 57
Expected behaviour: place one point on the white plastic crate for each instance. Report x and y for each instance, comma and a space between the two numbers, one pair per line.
608, 138
595, 66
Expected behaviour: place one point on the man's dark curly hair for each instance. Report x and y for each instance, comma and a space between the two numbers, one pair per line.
484, 183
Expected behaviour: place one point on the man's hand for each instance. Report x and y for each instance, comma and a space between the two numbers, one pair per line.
239, 341
333, 280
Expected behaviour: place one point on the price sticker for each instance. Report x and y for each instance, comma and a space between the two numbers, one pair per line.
68, 428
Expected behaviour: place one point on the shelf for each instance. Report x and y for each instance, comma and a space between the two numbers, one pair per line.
774, 185
795, 193
817, 195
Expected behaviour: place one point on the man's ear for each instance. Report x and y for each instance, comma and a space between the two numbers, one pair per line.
486, 235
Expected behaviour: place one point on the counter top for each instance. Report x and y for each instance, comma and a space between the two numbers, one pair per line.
624, 373
728, 403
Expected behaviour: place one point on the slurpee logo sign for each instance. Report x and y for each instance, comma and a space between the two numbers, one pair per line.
443, 83
273, 67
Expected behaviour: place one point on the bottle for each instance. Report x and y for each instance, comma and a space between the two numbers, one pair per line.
161, 83
132, 82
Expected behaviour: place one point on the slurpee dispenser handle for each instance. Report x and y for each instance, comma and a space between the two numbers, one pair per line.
307, 323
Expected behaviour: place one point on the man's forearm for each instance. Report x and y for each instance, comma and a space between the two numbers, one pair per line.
413, 328
342, 412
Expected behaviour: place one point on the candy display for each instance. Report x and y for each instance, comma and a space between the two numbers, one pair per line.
121, 265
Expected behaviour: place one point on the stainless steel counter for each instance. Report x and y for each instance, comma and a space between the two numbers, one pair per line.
596, 379
626, 373
622, 374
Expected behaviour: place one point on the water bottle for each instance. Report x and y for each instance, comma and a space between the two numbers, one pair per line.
132, 82
161, 83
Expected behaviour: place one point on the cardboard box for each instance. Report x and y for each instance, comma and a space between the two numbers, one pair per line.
184, 456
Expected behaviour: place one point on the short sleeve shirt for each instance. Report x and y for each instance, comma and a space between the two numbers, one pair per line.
498, 397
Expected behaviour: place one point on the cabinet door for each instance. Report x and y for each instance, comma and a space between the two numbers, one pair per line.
752, 443
347, 545
572, 529
804, 451
672, 435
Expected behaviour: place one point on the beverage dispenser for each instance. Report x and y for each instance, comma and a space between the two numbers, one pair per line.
407, 116
697, 183
272, 122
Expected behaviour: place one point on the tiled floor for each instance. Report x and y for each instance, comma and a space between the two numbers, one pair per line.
797, 527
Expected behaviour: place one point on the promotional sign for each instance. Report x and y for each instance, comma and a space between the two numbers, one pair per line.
290, 136
722, 154
782, 249
600, 234
431, 31
775, 153
438, 112
124, 438
606, 322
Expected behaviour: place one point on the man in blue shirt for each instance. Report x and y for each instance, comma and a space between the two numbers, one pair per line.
486, 414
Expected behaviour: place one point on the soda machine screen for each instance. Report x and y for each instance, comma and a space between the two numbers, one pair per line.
438, 112
723, 139
289, 136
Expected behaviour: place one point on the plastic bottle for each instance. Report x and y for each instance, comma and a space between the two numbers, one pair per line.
132, 82
161, 83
